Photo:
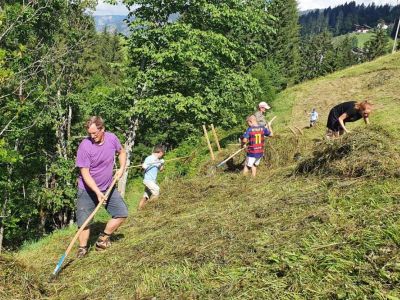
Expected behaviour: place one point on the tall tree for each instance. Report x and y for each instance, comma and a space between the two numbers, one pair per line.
345, 54
377, 45
44, 71
318, 56
283, 44
194, 70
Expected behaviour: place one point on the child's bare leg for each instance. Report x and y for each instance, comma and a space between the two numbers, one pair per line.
254, 171
153, 197
142, 202
245, 170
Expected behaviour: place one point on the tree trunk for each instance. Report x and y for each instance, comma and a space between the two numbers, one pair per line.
130, 142
69, 124
61, 128
42, 220
20, 92
7, 198
2, 216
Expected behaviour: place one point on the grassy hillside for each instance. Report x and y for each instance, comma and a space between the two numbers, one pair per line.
321, 221
362, 38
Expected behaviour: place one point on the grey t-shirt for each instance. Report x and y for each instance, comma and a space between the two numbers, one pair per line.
260, 118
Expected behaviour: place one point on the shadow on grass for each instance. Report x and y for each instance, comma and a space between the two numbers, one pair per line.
231, 166
95, 229
98, 227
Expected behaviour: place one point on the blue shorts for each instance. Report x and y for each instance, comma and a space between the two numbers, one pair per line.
87, 202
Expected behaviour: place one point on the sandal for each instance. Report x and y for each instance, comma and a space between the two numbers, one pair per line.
82, 251
103, 242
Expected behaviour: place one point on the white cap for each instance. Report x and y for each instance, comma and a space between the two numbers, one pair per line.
264, 105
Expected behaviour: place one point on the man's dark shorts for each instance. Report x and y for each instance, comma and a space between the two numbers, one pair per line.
87, 202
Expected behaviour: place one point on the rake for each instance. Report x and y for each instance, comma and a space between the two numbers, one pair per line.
71, 244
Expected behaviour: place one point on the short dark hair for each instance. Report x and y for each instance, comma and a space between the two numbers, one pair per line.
158, 149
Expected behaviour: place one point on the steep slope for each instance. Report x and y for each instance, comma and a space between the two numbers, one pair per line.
17, 281
292, 233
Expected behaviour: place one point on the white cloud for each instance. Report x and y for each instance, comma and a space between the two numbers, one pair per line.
108, 9
312, 4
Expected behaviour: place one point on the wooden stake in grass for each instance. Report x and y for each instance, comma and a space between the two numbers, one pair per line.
71, 244
301, 131
215, 137
208, 143
293, 131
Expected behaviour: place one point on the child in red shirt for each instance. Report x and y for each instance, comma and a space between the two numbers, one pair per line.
255, 138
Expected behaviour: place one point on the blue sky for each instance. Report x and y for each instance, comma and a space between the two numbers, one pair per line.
107, 9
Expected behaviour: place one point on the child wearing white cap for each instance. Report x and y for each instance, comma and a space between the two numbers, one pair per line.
259, 114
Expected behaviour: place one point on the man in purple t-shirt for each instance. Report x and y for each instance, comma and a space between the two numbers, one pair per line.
95, 160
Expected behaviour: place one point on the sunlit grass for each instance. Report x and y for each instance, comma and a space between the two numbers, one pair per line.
283, 236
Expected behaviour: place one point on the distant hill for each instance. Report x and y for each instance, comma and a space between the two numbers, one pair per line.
117, 22
112, 22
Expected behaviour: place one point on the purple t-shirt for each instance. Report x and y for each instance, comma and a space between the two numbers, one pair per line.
99, 159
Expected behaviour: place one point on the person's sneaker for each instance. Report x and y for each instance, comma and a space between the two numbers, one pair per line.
103, 242
82, 251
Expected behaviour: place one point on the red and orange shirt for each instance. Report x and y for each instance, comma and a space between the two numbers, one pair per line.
256, 137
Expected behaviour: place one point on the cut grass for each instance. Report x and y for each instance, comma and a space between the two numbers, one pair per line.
303, 238
283, 235
17, 280
368, 152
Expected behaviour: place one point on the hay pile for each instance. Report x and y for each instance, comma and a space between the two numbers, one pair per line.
367, 152
16, 282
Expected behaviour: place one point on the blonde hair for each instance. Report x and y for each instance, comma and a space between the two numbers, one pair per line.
363, 105
97, 120
251, 118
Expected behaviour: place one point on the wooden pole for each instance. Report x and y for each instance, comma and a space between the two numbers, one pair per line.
301, 131
293, 131
208, 143
215, 137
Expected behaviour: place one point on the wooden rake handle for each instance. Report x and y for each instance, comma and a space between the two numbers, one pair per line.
270, 122
87, 221
91, 216
234, 154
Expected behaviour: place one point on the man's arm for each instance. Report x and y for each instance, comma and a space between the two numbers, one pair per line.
341, 122
122, 163
91, 183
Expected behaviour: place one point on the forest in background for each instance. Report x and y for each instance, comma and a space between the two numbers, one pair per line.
160, 84
342, 19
